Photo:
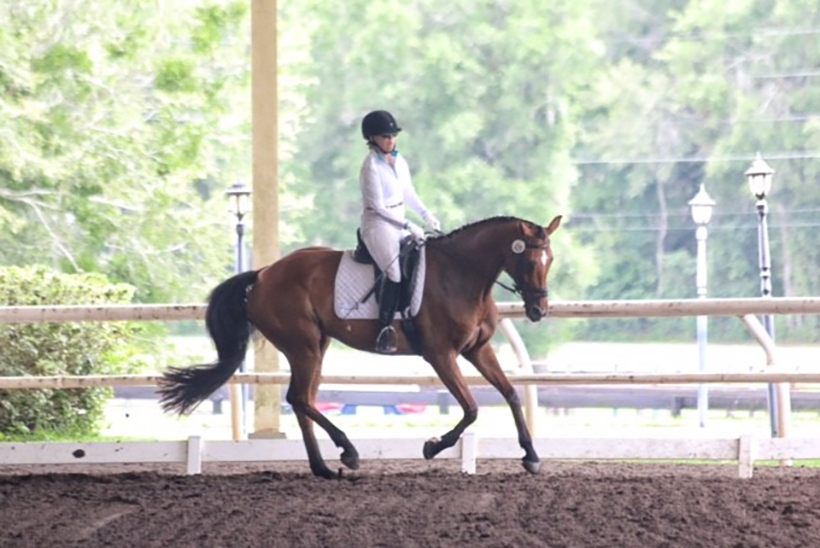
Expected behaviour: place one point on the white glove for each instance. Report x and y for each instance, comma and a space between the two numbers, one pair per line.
416, 231
431, 220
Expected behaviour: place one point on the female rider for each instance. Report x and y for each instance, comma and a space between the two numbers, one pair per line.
386, 190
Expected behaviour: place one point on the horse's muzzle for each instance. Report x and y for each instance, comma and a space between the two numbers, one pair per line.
535, 312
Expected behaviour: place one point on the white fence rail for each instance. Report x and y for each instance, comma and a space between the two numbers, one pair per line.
195, 451
557, 309
96, 381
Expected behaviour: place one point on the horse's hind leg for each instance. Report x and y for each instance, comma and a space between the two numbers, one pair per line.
485, 361
451, 376
306, 370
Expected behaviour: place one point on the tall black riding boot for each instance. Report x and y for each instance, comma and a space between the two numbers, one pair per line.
388, 302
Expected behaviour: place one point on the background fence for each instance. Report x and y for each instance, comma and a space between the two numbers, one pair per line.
195, 451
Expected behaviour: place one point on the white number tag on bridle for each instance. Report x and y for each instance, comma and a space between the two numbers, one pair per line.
518, 246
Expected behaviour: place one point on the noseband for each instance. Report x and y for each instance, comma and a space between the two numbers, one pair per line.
518, 247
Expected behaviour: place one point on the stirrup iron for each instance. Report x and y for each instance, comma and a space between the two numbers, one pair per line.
386, 342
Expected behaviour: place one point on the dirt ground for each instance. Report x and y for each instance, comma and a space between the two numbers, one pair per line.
410, 503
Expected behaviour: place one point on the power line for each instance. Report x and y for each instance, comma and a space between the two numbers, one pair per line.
703, 36
804, 74
798, 155
604, 215
571, 228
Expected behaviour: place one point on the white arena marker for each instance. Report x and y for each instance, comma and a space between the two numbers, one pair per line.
745, 456
469, 447
194, 460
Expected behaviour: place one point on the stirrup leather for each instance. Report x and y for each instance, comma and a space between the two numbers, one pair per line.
386, 341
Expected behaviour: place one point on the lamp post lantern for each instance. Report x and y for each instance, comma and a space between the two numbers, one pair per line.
239, 204
759, 176
701, 206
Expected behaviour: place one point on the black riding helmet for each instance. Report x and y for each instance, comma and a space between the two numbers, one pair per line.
379, 122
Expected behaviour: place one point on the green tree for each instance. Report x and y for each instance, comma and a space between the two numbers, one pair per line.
119, 134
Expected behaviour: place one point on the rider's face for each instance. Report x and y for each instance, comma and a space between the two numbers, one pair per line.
386, 142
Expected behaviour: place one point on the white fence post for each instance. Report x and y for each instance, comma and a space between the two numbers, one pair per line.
194, 456
469, 447
746, 449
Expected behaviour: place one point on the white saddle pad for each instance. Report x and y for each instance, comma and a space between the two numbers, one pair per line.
354, 281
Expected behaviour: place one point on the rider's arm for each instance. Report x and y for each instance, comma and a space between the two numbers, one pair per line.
411, 198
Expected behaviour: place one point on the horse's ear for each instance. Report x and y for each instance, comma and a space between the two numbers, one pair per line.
553, 226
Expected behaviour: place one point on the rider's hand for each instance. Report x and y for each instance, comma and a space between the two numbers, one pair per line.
431, 220
416, 231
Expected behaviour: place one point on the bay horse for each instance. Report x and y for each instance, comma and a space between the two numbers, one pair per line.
290, 302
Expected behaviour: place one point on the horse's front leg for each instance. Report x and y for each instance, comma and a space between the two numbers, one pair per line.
449, 373
484, 359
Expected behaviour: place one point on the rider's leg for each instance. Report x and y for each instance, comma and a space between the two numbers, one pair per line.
382, 241
388, 302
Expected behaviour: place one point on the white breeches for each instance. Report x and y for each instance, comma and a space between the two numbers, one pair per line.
382, 240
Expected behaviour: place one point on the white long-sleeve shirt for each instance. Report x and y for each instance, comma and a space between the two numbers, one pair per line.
387, 190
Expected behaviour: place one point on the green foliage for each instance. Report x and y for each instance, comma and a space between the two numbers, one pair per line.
176, 75
693, 79
122, 126
59, 349
120, 132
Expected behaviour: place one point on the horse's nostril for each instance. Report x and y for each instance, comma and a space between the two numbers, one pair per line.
537, 311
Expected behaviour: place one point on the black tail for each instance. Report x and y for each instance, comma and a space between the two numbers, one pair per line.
181, 390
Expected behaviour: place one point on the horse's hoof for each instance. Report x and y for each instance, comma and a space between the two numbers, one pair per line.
325, 473
429, 450
531, 466
350, 459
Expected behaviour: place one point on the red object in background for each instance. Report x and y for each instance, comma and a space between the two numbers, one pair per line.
411, 408
330, 407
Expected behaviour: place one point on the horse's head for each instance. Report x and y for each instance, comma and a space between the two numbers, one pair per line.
528, 264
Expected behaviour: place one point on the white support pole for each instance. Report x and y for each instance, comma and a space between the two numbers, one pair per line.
782, 389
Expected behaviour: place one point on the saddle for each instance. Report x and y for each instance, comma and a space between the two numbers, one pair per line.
409, 259
409, 253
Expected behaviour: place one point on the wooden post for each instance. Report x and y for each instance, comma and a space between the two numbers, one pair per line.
235, 397
264, 98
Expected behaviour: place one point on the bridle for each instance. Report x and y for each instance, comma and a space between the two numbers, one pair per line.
524, 291
519, 247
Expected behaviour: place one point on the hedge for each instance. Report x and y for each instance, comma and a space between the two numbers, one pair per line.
87, 348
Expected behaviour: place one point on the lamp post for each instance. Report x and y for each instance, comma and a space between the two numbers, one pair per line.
701, 206
759, 176
239, 204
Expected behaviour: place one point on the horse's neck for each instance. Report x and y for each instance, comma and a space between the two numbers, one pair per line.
479, 255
